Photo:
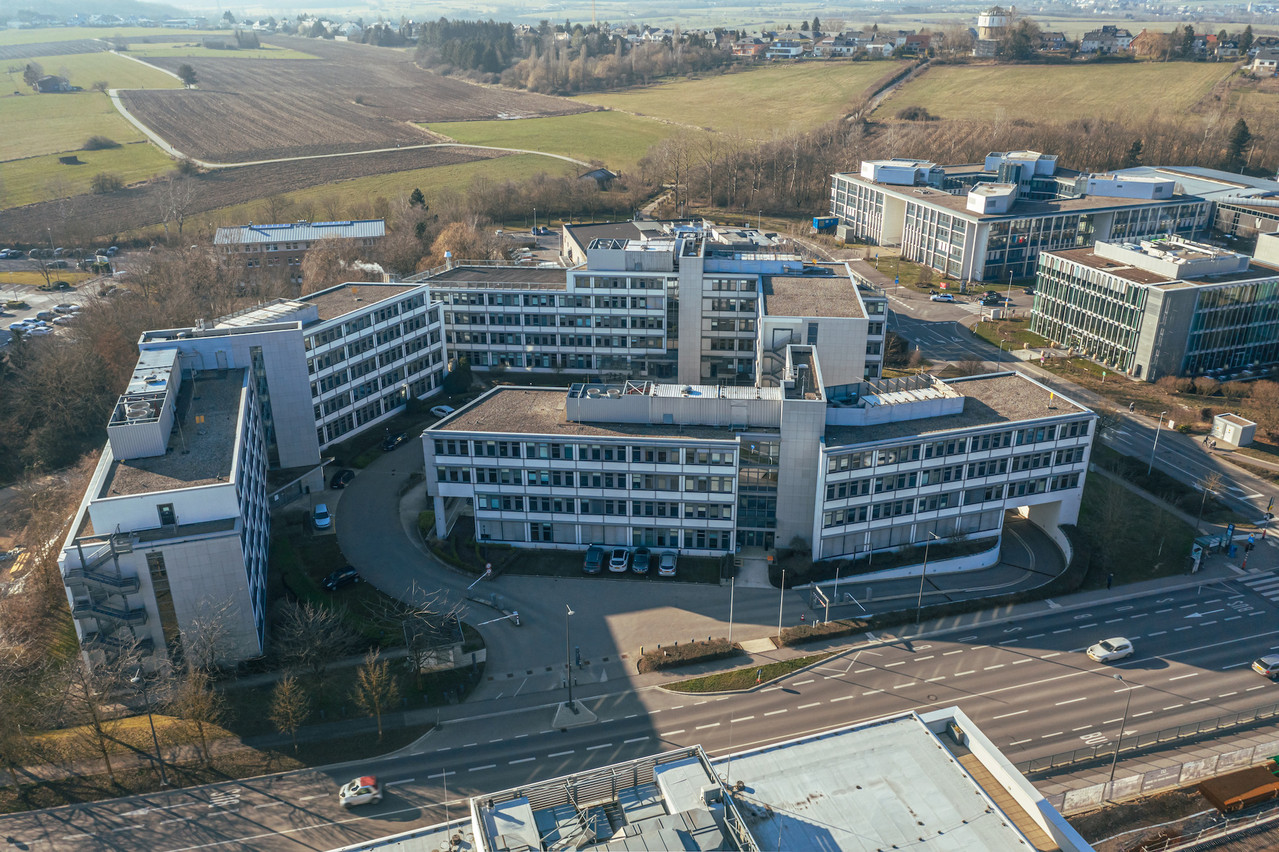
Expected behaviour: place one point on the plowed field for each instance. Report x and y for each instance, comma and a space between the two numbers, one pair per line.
353, 98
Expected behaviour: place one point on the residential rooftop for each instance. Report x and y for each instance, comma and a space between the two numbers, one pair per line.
500, 277
299, 231
811, 296
200, 451
990, 400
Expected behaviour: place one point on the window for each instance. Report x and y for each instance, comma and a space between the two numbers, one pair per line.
812, 334
168, 517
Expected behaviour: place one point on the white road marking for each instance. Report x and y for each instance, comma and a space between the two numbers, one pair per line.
961, 674
806, 706
989, 668
704, 727
1183, 677
1073, 700
742, 719
840, 698
1142, 713
898, 663
275, 804
401, 781
1174, 706
1050, 736
948, 653
1227, 694
1006, 715
482, 768
1022, 660
867, 692
1159, 633
316, 796
521, 760
921, 659
1050, 656
634, 740
570, 751
801, 682
935, 679
602, 745
776, 712
663, 734
1018, 742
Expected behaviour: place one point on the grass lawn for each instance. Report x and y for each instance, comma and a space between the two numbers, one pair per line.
34, 278
196, 49
615, 138
987, 92
747, 677
1015, 331
52, 124
756, 102
909, 273
84, 69
43, 178
1136, 539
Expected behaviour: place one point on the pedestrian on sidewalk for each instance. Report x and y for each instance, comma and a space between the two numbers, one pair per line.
1110, 579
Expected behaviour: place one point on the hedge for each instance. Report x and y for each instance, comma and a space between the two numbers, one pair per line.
673, 656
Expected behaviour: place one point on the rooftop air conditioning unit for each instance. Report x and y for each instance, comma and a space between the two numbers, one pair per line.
613, 393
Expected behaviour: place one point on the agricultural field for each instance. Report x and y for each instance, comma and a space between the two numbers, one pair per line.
33, 179
84, 69
36, 125
358, 98
757, 102
1031, 92
186, 49
56, 34
616, 139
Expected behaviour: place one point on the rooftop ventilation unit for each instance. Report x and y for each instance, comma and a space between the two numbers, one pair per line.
613, 393
137, 410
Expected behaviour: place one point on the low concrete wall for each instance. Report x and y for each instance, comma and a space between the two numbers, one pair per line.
972, 562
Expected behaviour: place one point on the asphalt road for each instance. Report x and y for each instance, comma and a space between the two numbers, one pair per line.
1026, 682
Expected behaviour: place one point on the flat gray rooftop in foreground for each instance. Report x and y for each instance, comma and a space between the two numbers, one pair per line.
882, 785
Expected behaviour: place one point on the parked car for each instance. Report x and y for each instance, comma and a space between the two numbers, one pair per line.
390, 442
942, 297
21, 325
112, 251
642, 559
619, 560
4, 253
66, 308
342, 577
45, 315
1268, 666
38, 331
666, 564
1110, 650
59, 264
65, 319
320, 517
442, 411
364, 790
342, 478
594, 559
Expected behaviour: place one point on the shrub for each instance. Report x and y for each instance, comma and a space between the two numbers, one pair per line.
1206, 414
829, 630
915, 113
359, 99
672, 656
1185, 428
1235, 390
426, 523
105, 183
99, 143
1167, 384
1205, 386
1183, 385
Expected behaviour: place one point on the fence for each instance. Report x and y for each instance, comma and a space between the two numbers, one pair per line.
1139, 742
1201, 831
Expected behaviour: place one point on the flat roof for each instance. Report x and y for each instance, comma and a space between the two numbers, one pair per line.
1137, 275
290, 231
199, 453
501, 277
887, 784
353, 296
990, 400
811, 296
541, 411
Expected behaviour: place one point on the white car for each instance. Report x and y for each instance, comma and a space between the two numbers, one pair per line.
21, 325
442, 411
364, 790
66, 308
320, 517
942, 297
1109, 650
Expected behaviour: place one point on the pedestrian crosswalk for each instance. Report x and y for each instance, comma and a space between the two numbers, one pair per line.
1266, 585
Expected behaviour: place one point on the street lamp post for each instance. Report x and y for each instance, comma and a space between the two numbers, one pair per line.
919, 604
568, 657
138, 680
1155, 445
1119, 740
534, 220
781, 602
1199, 518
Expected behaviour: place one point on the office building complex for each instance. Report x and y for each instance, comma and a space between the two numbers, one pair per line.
684, 301
280, 248
990, 221
1163, 307
843, 468
174, 526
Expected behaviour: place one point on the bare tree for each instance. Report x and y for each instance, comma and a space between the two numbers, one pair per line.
290, 707
196, 702
310, 637
375, 687
176, 196
87, 688
971, 367
206, 635
1210, 483
429, 622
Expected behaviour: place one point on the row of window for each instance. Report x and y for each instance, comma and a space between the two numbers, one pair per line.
583, 452
955, 446
586, 479
583, 341
601, 506
936, 502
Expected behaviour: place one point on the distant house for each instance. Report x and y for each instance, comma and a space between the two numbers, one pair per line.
749, 47
602, 177
51, 83
916, 44
1050, 41
1108, 39
787, 48
279, 249
1265, 63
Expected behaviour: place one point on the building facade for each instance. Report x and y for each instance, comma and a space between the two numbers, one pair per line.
280, 248
990, 222
170, 542
1163, 307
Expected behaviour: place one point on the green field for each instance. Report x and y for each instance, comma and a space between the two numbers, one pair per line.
51, 34
614, 138
434, 182
43, 178
758, 102
1038, 92
49, 124
194, 48
84, 69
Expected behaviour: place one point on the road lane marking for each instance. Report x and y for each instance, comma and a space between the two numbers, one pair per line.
741, 719
921, 659
634, 740
1142, 713
570, 751
602, 745
663, 734
1159, 633
1183, 677
521, 760
799, 683
1174, 706
482, 768
1063, 630
1007, 715
867, 692
1018, 742
1227, 694
1073, 700
775, 712
948, 653
935, 679
840, 698
316, 796
1112, 620
1000, 666
275, 804
1080, 728
961, 674
1022, 660
1050, 736
704, 727
396, 783
898, 663
1050, 656
806, 706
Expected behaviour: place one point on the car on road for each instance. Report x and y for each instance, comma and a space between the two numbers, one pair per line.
641, 561
442, 411
594, 559
390, 442
1110, 650
320, 517
364, 790
619, 560
942, 297
342, 577
1267, 665
342, 478
666, 564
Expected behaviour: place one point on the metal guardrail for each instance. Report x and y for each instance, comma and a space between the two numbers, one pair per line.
1138, 742
1218, 832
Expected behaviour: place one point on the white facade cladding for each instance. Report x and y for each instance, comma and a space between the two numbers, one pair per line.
684, 301
163, 541
1163, 307
990, 222
846, 468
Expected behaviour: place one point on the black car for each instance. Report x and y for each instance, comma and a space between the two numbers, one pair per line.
342, 478
342, 577
390, 442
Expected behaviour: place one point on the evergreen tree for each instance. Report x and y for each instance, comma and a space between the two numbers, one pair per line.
417, 199
817, 25
1236, 144
1245, 40
1133, 157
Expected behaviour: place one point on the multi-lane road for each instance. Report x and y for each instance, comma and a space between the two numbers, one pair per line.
1027, 682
